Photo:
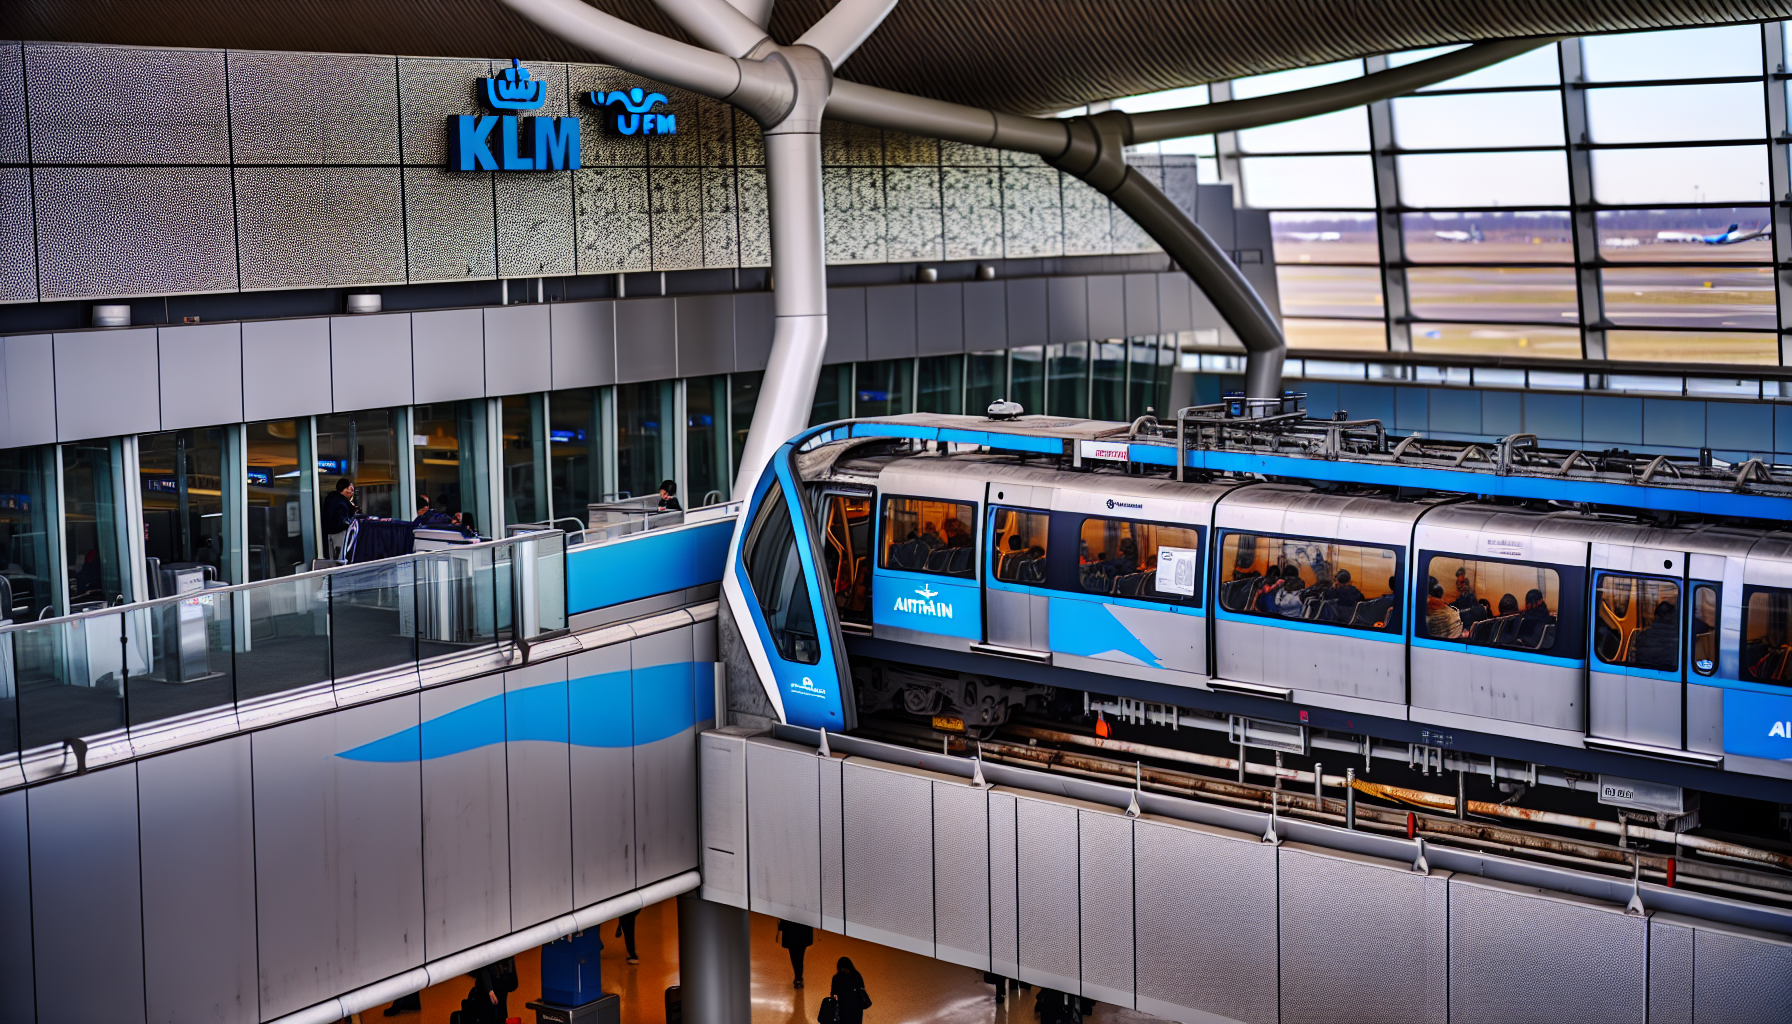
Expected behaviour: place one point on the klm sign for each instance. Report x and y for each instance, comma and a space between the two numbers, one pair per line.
509, 142
633, 112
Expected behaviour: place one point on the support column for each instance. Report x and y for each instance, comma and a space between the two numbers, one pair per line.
1780, 177
1583, 222
714, 962
1395, 305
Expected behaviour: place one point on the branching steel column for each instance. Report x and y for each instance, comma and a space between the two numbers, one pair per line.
1779, 173
1396, 307
1583, 222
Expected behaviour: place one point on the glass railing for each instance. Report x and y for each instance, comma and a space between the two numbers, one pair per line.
105, 685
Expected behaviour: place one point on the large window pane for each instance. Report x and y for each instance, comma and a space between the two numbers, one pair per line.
574, 447
1488, 236
1495, 604
1324, 237
1766, 635
1730, 51
1313, 182
27, 513
1297, 78
1168, 99
776, 575
1310, 579
1492, 293
90, 517
941, 387
1139, 561
1478, 119
645, 435
1329, 291
1021, 540
1338, 335
1343, 130
1107, 380
1497, 340
448, 442
833, 395
1151, 364
743, 398
706, 441
182, 473
1068, 367
1536, 67
1703, 297
920, 535
1484, 179
1684, 236
1694, 347
363, 445
883, 387
986, 380
1676, 113
1027, 378
524, 459
1706, 174
1636, 623
277, 511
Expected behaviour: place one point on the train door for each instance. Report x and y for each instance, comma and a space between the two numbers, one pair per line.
846, 551
1636, 660
1017, 609
925, 557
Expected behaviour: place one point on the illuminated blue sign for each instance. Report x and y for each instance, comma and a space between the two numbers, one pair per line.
631, 112
486, 142
1758, 724
515, 90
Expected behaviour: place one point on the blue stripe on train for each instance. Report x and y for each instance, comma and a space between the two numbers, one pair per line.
646, 565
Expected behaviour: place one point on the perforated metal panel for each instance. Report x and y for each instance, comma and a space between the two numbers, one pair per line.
783, 832
722, 759
1105, 868
1740, 975
114, 231
1670, 970
535, 235
1338, 911
1518, 953
448, 224
18, 274
1205, 931
313, 108
126, 105
961, 874
320, 227
1047, 901
889, 857
833, 856
1004, 911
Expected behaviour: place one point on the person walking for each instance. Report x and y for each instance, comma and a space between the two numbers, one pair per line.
848, 992
797, 938
625, 929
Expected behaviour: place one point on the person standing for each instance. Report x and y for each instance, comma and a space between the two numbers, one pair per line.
669, 497
797, 938
339, 512
625, 929
849, 994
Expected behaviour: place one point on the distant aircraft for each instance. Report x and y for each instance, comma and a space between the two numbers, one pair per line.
1729, 237
1316, 236
1473, 234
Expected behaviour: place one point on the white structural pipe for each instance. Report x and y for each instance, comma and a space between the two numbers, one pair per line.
469, 960
717, 24
841, 30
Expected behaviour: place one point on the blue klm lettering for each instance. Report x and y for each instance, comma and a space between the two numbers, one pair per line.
556, 143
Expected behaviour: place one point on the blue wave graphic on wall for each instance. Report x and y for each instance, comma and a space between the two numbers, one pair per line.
609, 709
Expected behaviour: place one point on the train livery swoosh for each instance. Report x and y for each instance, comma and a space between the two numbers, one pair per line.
609, 709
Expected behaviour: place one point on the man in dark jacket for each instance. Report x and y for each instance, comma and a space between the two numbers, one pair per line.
339, 512
797, 938
1658, 646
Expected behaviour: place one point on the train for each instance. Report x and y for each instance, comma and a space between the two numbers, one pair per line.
1636, 604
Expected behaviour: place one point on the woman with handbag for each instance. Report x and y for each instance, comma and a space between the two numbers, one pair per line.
847, 994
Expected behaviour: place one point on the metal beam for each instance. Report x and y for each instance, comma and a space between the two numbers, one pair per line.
841, 30
716, 24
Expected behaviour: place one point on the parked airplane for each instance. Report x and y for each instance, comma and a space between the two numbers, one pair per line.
1473, 234
1729, 236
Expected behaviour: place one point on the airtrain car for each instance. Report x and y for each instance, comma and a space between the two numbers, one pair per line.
1492, 600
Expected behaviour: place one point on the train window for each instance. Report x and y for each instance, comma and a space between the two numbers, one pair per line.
1020, 546
1704, 629
1350, 585
776, 573
1494, 604
846, 543
1767, 635
1636, 622
1142, 561
924, 535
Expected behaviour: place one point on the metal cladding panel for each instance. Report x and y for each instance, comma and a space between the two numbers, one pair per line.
17, 988
338, 852
108, 231
1067, 302
12, 105
428, 91
600, 706
889, 857
126, 105
724, 770
466, 821
890, 322
313, 108
705, 334
540, 793
1670, 970
1141, 305
1206, 939
28, 390
447, 355
105, 384
201, 370
939, 319
286, 368
1107, 306
783, 832
1105, 858
86, 898
1047, 900
846, 326
196, 816
1740, 975
320, 227
646, 340
665, 710
1382, 913
1578, 959
1027, 323
753, 325
535, 224
370, 361
582, 340
18, 236
985, 316
833, 841
450, 225
1173, 310
961, 874
516, 350
1004, 893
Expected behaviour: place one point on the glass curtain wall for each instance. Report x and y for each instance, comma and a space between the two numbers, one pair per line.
833, 395
278, 512
985, 380
743, 398
646, 433
182, 474
525, 459
363, 445
28, 517
448, 448
883, 387
92, 523
575, 450
1067, 385
940, 387
707, 467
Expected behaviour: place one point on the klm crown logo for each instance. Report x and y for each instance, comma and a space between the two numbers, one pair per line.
515, 90
631, 112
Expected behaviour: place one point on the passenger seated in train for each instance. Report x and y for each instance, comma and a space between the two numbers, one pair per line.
956, 534
1033, 569
1442, 620
1657, 646
1289, 602
1266, 594
930, 536
1346, 593
1465, 590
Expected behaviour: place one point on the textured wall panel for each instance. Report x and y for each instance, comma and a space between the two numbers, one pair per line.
18, 241
448, 225
198, 837
535, 224
715, 126
1105, 857
1047, 901
1670, 969
120, 105
833, 843
972, 204
466, 821
1740, 975
783, 832
320, 227
1087, 231
1579, 960
721, 218
914, 227
1206, 938
755, 217
535, 724
683, 149
602, 149
615, 224
852, 201
1004, 893
12, 104
723, 766
665, 705
675, 207
749, 141
517, 353
17, 987
201, 367
86, 898
583, 340
961, 874
856, 145
106, 383
910, 150
286, 368
313, 108
27, 390
370, 361
108, 231
1379, 910
1032, 213
601, 702
889, 857
429, 92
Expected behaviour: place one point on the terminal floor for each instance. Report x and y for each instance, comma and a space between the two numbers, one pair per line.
904, 988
